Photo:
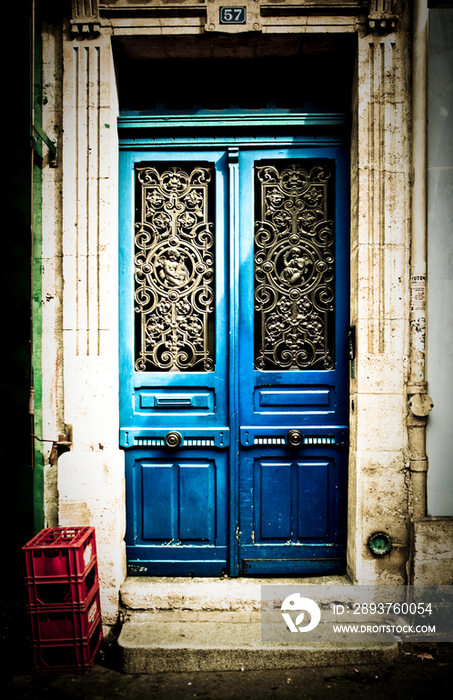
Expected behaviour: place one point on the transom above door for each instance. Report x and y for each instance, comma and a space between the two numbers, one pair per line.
234, 286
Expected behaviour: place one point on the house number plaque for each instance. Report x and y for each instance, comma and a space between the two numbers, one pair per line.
233, 15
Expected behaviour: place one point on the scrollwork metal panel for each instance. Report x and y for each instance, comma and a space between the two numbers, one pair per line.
174, 269
294, 268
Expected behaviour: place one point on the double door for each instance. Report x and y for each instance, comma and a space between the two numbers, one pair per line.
234, 290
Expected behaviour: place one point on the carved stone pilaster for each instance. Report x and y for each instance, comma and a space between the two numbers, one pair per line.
383, 201
89, 144
382, 16
85, 18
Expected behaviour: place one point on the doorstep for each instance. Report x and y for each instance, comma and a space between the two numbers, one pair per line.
182, 593
206, 624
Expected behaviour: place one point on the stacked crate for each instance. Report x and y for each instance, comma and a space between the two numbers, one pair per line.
63, 599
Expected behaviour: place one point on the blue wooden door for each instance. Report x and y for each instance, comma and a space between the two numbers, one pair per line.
233, 388
292, 373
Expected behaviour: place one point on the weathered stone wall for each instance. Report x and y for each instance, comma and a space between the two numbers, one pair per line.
380, 242
79, 298
91, 476
80, 365
91, 492
431, 561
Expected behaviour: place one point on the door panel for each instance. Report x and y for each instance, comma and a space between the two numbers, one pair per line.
177, 501
173, 354
234, 396
177, 520
293, 372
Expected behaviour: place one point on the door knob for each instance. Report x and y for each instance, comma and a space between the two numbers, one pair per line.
173, 439
294, 438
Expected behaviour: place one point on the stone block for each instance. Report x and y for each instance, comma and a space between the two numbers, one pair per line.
380, 422
382, 279
91, 490
385, 571
432, 552
112, 572
381, 374
383, 492
91, 388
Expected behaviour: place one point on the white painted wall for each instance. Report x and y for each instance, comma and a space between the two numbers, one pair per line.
440, 261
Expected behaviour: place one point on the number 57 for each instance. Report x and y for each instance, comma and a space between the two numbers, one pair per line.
232, 14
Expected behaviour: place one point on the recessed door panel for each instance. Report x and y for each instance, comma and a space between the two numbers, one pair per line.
197, 502
272, 500
158, 490
314, 500
292, 500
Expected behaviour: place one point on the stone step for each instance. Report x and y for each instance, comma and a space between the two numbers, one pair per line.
206, 624
182, 593
187, 641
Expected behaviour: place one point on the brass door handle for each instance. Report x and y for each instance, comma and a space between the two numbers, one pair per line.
173, 439
294, 438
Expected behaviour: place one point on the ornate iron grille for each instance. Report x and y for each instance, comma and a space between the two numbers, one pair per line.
294, 269
174, 270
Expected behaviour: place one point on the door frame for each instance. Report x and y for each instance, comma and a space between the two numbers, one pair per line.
151, 133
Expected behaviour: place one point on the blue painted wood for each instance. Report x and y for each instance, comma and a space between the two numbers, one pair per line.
286, 503
197, 502
158, 490
234, 497
294, 567
152, 404
292, 500
132, 413
176, 511
272, 499
233, 358
314, 509
146, 561
205, 119
290, 398
136, 141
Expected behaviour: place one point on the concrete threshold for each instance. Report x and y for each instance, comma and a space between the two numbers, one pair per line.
206, 624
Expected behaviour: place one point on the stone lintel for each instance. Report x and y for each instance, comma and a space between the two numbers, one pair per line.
88, 17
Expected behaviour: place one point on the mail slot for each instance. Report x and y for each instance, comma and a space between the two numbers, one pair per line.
163, 401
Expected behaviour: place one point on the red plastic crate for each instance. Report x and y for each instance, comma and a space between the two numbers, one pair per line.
77, 657
61, 593
60, 551
61, 627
